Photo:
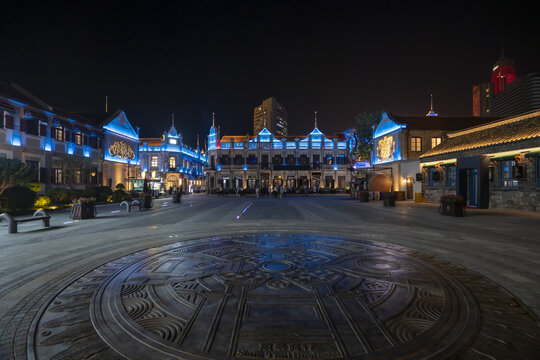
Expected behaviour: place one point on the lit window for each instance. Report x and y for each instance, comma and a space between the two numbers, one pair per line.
416, 143
434, 177
172, 162
172, 141
58, 175
77, 175
154, 161
59, 133
78, 138
507, 174
435, 141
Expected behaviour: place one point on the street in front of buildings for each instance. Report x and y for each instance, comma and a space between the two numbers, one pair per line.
231, 277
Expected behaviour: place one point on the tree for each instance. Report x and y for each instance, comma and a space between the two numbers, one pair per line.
76, 169
14, 172
364, 131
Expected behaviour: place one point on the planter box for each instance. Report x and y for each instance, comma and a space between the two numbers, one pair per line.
451, 208
389, 199
177, 197
83, 211
364, 196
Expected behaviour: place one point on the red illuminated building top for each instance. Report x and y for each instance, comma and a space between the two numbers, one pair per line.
503, 74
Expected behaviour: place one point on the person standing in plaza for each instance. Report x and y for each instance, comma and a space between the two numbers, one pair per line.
269, 191
257, 191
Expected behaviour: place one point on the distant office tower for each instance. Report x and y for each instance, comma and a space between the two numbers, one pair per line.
271, 114
503, 74
481, 97
521, 96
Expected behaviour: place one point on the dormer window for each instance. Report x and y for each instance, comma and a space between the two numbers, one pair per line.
172, 141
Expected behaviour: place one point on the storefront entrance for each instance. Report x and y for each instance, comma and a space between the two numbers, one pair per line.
410, 182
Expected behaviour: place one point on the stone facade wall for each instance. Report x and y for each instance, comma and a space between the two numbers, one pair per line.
433, 194
525, 197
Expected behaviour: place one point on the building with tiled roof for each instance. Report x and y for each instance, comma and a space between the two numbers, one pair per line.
398, 142
491, 165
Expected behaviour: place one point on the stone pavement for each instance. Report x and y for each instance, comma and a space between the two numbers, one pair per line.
50, 278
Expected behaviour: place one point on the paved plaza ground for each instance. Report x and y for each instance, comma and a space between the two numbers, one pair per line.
219, 277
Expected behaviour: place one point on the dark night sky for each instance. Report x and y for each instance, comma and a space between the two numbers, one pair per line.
192, 59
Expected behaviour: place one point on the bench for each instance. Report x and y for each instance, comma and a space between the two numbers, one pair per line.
38, 215
130, 205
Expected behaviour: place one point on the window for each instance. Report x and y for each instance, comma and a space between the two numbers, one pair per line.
59, 133
341, 159
34, 165
77, 177
78, 138
435, 141
276, 160
238, 160
416, 143
433, 178
507, 176
451, 176
172, 162
290, 160
224, 160
304, 160
58, 175
172, 141
154, 162
252, 160
328, 159
316, 161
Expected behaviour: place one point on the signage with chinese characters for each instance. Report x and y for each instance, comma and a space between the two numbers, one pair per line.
385, 148
121, 150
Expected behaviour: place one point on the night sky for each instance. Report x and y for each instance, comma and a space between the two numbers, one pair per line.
226, 57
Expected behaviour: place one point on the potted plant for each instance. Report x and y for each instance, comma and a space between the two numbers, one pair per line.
451, 205
83, 208
389, 199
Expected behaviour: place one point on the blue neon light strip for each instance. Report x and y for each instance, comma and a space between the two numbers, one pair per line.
17, 102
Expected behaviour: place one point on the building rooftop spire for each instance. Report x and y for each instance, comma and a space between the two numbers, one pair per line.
316, 118
431, 111
213, 120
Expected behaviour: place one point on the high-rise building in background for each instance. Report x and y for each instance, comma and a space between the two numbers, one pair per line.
272, 115
519, 97
482, 96
503, 74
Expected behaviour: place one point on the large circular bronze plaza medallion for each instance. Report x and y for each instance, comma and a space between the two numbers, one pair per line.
281, 296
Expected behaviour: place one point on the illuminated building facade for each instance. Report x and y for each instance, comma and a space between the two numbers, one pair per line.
482, 97
271, 115
493, 165
267, 160
66, 148
519, 97
169, 163
398, 142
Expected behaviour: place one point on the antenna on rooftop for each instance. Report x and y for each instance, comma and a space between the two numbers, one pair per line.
316, 118
213, 120
172, 119
431, 111
106, 103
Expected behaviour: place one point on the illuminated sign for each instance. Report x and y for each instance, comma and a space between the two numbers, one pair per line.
121, 150
385, 148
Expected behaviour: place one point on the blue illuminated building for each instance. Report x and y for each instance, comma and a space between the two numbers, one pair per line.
102, 145
268, 160
169, 163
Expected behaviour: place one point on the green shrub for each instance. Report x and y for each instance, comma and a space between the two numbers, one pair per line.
17, 198
42, 201
120, 186
118, 195
35, 187
60, 195
101, 193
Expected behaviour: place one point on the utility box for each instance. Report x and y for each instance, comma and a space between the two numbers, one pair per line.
418, 198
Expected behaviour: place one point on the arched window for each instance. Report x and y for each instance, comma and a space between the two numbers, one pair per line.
172, 162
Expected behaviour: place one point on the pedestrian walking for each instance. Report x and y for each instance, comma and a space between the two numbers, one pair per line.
282, 191
237, 192
257, 191
269, 191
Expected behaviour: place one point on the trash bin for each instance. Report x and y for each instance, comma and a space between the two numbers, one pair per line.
418, 198
400, 195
